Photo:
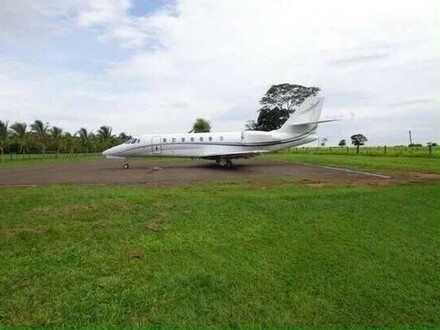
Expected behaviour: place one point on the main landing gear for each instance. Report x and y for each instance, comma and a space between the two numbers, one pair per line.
224, 162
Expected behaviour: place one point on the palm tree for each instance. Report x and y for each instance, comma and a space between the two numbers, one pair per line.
56, 133
201, 126
71, 142
84, 137
20, 134
105, 136
3, 136
40, 130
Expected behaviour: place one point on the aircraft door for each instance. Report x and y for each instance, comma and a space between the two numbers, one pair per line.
156, 145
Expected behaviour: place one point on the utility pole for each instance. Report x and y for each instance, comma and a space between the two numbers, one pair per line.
410, 138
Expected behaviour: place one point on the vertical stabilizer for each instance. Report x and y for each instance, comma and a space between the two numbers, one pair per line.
305, 118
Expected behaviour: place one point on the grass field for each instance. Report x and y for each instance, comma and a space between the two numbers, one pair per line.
387, 151
362, 162
30, 159
235, 254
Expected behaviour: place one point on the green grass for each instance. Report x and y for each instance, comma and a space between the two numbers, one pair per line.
36, 159
361, 162
233, 254
389, 151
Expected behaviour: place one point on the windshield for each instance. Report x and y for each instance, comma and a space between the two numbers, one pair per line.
131, 141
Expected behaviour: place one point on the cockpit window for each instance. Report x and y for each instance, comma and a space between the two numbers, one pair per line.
129, 141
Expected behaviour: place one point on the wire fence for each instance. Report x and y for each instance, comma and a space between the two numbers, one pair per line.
25, 157
397, 151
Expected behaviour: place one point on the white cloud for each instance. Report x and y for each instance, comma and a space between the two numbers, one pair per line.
219, 57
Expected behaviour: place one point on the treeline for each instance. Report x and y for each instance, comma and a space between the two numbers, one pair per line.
40, 137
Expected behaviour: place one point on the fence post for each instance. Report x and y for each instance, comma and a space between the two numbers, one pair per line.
385, 149
430, 150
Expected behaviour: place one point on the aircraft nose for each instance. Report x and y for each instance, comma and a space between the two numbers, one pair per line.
107, 152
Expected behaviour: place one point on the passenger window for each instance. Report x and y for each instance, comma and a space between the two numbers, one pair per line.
201, 139
221, 138
210, 138
183, 139
174, 139
164, 140
192, 139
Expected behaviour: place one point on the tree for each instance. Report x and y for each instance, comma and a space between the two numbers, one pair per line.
323, 141
342, 143
20, 134
56, 135
251, 125
358, 140
4, 134
39, 129
201, 126
105, 136
84, 137
271, 119
279, 102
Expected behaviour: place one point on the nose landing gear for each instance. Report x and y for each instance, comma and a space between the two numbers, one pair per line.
125, 166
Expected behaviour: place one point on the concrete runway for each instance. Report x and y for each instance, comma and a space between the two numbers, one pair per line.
163, 173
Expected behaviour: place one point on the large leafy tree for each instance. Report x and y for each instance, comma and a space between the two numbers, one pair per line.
358, 140
19, 132
201, 126
40, 131
4, 134
279, 102
105, 136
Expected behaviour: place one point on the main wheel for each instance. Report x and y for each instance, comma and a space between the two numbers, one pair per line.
125, 166
229, 163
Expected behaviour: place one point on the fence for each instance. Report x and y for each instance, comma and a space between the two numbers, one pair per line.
402, 151
22, 157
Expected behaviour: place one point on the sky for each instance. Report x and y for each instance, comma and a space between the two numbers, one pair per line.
154, 66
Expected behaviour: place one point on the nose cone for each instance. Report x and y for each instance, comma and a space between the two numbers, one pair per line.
107, 152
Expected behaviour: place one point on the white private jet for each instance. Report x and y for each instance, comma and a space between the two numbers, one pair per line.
299, 129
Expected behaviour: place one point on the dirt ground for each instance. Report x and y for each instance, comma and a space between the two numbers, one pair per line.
163, 173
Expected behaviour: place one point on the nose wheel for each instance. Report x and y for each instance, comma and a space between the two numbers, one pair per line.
125, 166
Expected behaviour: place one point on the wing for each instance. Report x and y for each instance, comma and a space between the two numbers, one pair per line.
231, 155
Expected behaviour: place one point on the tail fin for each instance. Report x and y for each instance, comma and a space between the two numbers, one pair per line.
305, 117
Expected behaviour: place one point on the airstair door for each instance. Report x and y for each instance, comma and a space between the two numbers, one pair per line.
156, 145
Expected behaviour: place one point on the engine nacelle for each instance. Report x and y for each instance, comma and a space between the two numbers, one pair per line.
259, 136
